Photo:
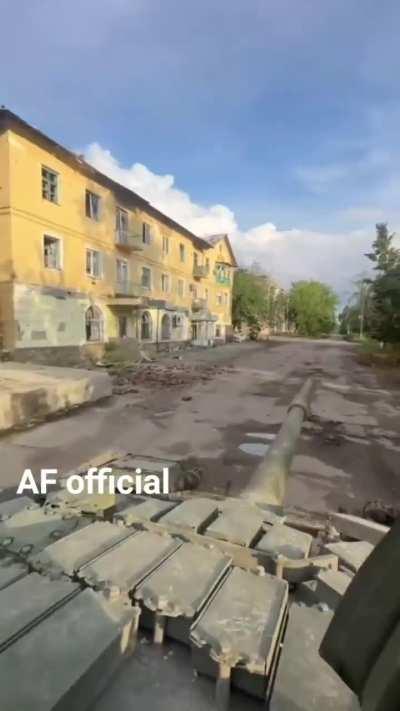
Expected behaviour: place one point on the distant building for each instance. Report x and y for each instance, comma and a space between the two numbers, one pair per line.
84, 260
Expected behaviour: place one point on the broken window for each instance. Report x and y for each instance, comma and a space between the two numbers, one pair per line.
122, 225
180, 287
146, 277
146, 233
122, 271
49, 185
93, 202
94, 263
146, 326
165, 283
94, 324
165, 245
51, 252
176, 321
123, 326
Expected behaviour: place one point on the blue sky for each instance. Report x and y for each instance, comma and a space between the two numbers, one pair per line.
285, 112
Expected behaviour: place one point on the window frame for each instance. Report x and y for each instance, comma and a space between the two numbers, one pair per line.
182, 253
165, 277
148, 287
100, 324
119, 211
165, 245
146, 234
121, 260
46, 168
95, 218
179, 291
59, 240
101, 263
146, 316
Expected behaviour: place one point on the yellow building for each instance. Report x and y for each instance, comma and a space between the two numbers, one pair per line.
84, 260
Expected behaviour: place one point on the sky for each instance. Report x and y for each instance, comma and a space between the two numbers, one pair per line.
276, 121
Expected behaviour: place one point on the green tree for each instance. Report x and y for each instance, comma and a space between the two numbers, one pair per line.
312, 307
248, 300
385, 317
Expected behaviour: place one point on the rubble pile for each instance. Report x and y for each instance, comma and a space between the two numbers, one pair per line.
167, 375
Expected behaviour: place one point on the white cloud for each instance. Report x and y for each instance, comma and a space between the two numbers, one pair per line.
319, 179
160, 190
291, 255
287, 255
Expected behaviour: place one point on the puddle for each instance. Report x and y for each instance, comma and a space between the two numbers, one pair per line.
261, 435
257, 449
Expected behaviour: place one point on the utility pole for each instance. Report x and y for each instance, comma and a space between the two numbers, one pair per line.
363, 301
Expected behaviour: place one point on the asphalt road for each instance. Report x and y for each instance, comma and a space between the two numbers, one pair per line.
349, 452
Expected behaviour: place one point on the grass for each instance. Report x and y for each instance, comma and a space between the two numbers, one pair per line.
372, 353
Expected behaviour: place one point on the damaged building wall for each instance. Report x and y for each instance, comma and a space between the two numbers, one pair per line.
162, 326
48, 317
6, 275
70, 254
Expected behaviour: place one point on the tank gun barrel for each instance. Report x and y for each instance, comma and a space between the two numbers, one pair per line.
268, 482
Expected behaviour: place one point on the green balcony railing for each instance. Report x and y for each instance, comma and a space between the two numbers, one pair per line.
223, 279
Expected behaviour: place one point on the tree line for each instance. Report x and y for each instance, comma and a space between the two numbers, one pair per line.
374, 307
308, 308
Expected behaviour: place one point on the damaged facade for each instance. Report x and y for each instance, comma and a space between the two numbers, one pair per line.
84, 260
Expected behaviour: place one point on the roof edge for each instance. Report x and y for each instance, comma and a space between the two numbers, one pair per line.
11, 121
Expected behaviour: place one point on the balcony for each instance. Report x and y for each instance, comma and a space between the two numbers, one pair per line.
200, 271
128, 288
126, 293
127, 241
223, 279
199, 304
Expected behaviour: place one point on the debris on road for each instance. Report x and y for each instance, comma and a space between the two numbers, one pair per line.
166, 375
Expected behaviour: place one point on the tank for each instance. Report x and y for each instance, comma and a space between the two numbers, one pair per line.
180, 601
